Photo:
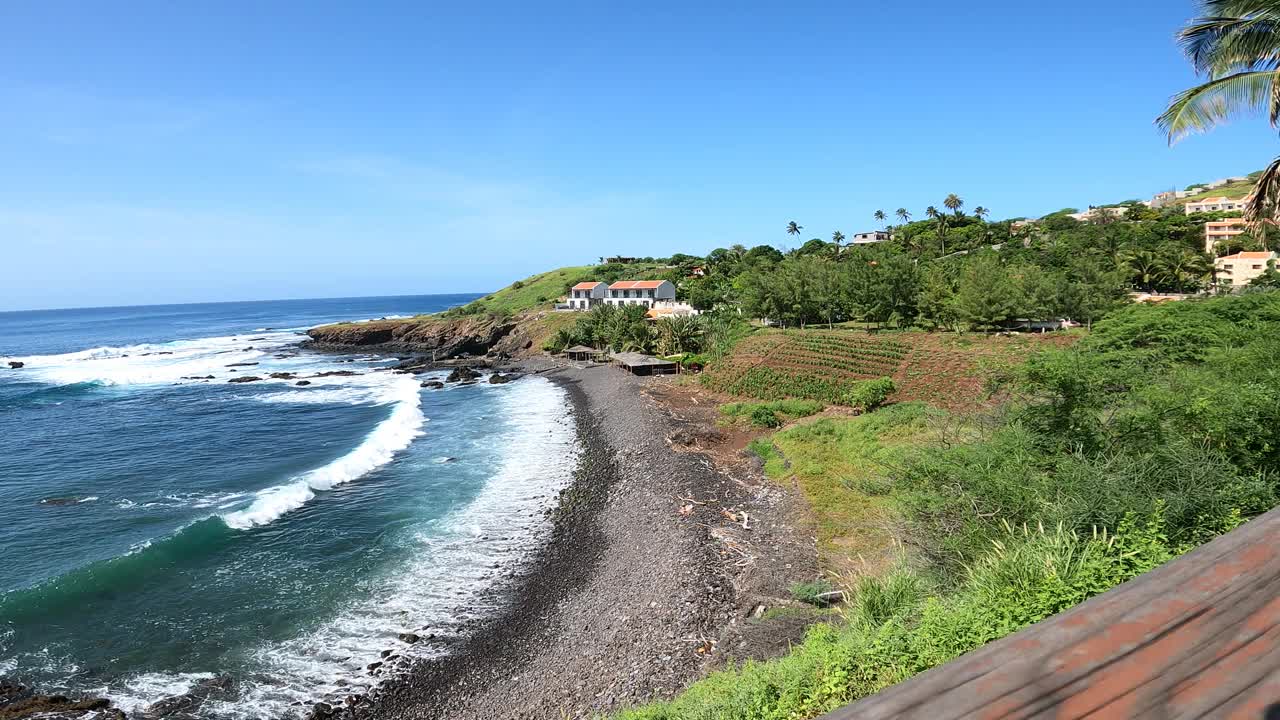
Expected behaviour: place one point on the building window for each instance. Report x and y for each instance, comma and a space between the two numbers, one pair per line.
1257, 267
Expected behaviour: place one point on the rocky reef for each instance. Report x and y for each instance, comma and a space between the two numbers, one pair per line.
444, 337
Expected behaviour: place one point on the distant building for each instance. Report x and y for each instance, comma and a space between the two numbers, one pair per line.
586, 295
640, 292
1020, 224
866, 238
1217, 231
697, 272
1168, 198
1218, 204
671, 308
1094, 213
1239, 269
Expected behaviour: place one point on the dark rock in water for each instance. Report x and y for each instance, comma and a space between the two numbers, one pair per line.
467, 382
336, 373
256, 339
498, 379
303, 382
321, 710
20, 703
409, 638
59, 501
385, 654
14, 364
245, 379
197, 377
281, 376
242, 364
433, 384
462, 373
373, 666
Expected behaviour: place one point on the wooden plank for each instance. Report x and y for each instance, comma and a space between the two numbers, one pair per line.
1196, 638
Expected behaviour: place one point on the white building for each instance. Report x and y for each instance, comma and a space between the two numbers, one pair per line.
1239, 269
1091, 214
640, 292
586, 295
866, 238
1218, 204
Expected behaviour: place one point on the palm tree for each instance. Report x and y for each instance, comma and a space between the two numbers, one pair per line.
837, 239
941, 222
954, 203
1236, 47
1184, 268
793, 228
903, 215
1144, 268
879, 216
981, 212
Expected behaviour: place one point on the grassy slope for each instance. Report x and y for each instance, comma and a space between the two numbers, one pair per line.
539, 292
1234, 191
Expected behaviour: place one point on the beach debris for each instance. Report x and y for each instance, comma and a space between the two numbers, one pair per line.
686, 510
244, 379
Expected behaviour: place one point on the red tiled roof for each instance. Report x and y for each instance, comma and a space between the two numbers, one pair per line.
586, 285
635, 285
1249, 256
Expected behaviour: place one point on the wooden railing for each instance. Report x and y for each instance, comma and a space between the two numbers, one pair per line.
1196, 638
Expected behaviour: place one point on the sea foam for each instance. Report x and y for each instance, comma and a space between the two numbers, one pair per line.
379, 447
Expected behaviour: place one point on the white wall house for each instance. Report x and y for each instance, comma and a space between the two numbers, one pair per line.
586, 295
640, 292
1218, 204
1240, 269
866, 238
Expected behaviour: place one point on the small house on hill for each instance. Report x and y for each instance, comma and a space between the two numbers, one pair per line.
1241, 268
640, 292
586, 295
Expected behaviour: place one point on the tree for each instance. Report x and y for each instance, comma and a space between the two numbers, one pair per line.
793, 228
837, 239
1144, 268
940, 221
981, 212
1235, 47
1183, 268
879, 216
937, 295
953, 203
903, 215
986, 294
680, 334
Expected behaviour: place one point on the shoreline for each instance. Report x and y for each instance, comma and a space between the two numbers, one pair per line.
648, 579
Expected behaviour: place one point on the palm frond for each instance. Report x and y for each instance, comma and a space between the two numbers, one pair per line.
1264, 207
1206, 106
1219, 46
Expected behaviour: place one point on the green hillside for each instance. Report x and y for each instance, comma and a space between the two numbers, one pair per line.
540, 292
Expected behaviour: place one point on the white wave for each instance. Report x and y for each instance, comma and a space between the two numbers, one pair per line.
90, 498
449, 577
151, 363
349, 395
134, 694
379, 447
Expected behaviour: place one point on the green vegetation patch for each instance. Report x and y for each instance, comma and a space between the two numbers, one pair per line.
770, 414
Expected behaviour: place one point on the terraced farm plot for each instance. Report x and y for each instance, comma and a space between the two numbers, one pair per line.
945, 370
826, 366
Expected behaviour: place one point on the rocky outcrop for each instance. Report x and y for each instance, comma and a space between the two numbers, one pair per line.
433, 384
462, 374
14, 364
245, 379
434, 336
20, 703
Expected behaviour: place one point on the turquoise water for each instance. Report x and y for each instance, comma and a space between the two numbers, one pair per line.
160, 529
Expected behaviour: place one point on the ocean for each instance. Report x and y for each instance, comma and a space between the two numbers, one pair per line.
163, 528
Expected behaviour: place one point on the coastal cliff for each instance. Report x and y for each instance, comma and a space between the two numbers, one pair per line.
444, 336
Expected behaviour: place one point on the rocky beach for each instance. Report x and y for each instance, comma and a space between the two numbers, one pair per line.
661, 566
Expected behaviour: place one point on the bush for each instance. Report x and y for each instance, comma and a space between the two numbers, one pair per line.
764, 417
870, 394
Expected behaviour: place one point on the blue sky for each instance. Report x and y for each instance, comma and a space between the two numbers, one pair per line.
150, 152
